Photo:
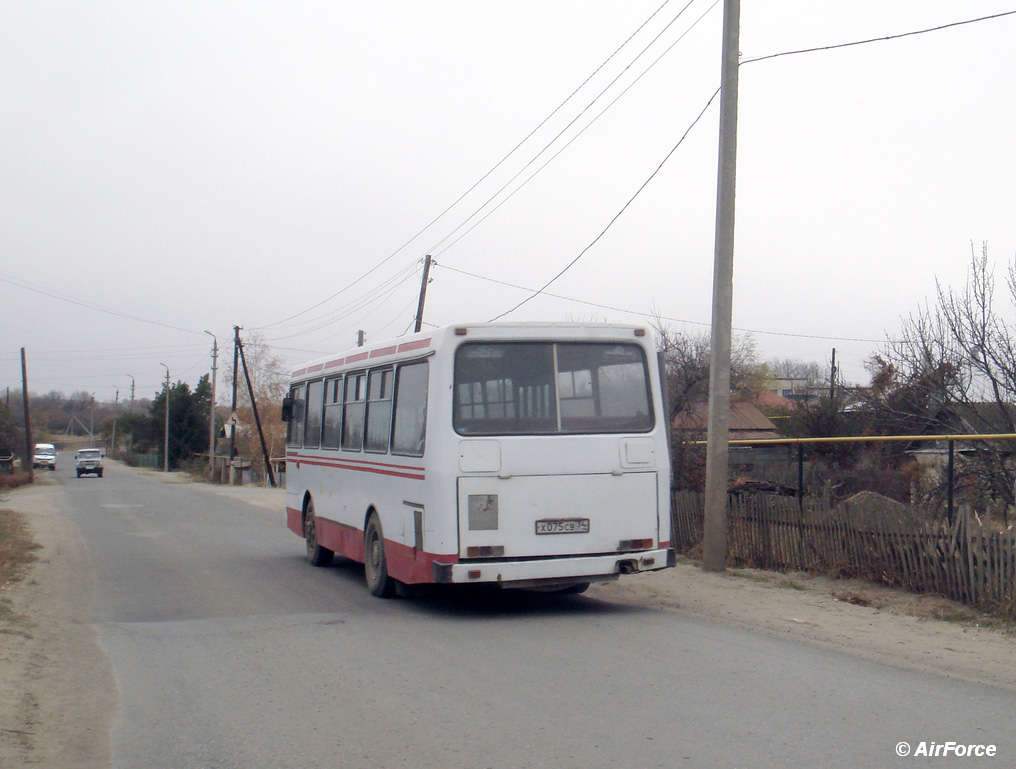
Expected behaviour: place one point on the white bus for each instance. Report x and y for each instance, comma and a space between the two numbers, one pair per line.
522, 455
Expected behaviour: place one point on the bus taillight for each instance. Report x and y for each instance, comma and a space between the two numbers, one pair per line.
635, 544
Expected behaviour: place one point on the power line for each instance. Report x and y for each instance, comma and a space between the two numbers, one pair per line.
762, 58
436, 248
353, 305
878, 39
376, 297
617, 215
544, 122
489, 172
88, 305
654, 315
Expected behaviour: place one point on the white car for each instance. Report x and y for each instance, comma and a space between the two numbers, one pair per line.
89, 461
44, 456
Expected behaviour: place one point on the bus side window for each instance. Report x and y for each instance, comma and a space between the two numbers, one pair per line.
312, 432
409, 431
353, 403
379, 410
331, 432
294, 431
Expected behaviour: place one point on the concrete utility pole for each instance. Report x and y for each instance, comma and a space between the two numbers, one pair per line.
423, 293
165, 458
211, 415
232, 408
29, 450
116, 407
714, 544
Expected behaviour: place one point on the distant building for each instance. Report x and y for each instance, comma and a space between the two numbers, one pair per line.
796, 389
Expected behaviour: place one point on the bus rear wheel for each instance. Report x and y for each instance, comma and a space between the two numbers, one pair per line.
317, 555
375, 565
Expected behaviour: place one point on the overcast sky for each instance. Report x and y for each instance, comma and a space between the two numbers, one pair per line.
172, 168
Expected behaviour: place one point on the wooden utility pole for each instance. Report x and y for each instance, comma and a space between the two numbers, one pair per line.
832, 377
211, 414
257, 419
714, 541
29, 450
423, 294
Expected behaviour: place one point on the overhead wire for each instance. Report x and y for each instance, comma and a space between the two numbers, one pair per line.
380, 293
652, 315
884, 38
616, 216
757, 59
352, 305
481, 179
436, 248
21, 283
377, 305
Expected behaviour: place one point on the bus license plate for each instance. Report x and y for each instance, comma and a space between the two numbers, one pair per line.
563, 526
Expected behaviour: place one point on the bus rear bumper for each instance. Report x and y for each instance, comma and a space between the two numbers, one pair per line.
525, 573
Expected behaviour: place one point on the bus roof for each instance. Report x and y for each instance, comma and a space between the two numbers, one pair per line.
414, 345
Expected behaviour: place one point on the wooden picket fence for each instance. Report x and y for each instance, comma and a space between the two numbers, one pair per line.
970, 561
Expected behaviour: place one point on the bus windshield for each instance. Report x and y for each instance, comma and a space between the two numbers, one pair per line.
528, 388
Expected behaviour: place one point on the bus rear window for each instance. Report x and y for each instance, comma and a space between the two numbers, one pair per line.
528, 388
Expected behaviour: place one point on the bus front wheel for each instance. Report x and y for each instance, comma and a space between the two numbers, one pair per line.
375, 565
318, 556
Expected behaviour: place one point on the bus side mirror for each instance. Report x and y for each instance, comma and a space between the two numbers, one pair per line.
287, 409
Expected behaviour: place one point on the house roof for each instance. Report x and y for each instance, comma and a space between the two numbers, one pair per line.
978, 417
746, 421
771, 400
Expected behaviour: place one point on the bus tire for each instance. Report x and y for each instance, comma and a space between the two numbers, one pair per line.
375, 565
317, 555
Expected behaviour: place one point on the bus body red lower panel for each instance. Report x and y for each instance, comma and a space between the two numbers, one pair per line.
406, 564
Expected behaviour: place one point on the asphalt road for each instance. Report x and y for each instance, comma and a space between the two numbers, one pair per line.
231, 651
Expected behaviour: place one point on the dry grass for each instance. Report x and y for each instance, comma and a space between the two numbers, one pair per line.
13, 480
17, 551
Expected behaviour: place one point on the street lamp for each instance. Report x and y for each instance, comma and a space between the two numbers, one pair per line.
165, 459
130, 409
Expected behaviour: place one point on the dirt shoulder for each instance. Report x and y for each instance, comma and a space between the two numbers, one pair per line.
59, 693
58, 687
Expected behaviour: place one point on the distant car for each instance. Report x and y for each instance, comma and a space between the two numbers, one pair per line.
89, 461
44, 456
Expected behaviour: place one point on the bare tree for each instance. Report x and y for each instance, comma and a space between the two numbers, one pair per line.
795, 368
686, 358
269, 380
686, 361
953, 369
